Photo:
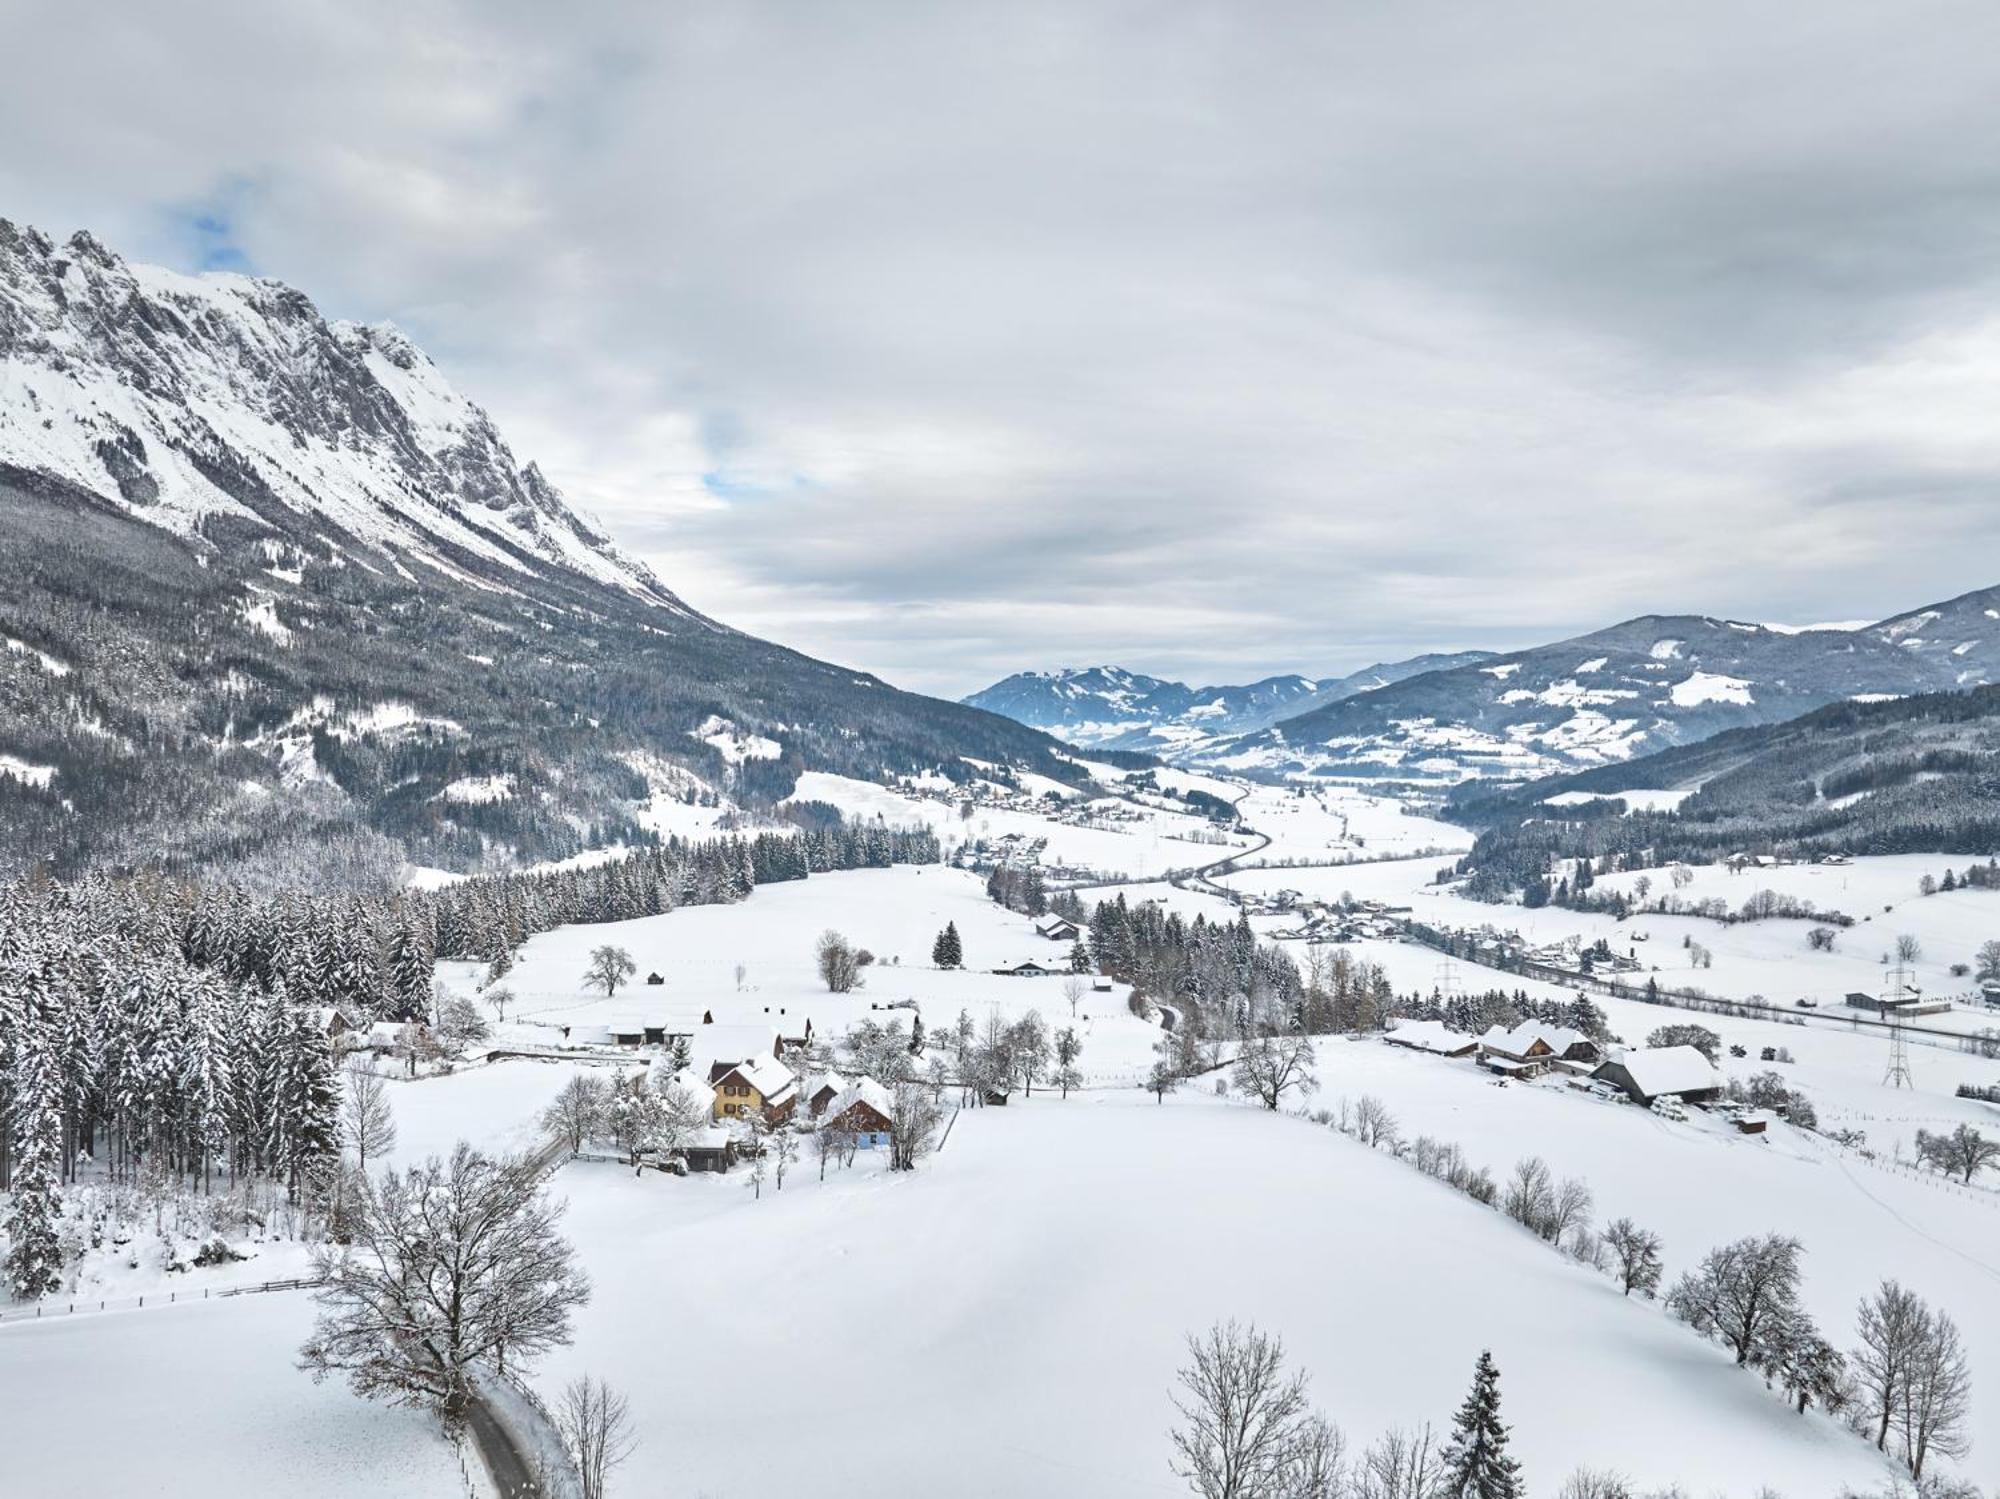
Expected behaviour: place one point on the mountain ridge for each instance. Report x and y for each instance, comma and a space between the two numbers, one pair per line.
1108, 707
1613, 694
277, 591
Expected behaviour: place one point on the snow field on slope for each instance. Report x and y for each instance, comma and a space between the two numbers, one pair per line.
495, 1108
1750, 957
1008, 1320
1340, 822
1700, 1184
1152, 845
197, 1402
894, 913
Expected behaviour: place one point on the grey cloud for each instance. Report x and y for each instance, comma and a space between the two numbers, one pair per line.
1215, 340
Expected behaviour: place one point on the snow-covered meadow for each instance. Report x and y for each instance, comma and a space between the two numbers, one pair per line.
895, 913
1701, 1184
199, 1401
1008, 1320
1768, 958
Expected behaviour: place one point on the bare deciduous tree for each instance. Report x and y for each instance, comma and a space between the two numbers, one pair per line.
1247, 1430
608, 968
367, 1124
1402, 1465
452, 1263
1073, 990
1890, 1326
914, 1116
1374, 1125
596, 1427
784, 1150
1570, 1212
1742, 1293
839, 965
1637, 1253
1963, 1153
1936, 1396
576, 1112
1912, 1372
1269, 1067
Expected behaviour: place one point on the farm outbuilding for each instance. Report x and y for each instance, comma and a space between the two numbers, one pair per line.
1647, 1074
1432, 1036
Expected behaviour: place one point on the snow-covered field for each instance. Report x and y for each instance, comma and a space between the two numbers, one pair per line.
496, 1107
894, 913
1700, 1184
1125, 839
1768, 958
1008, 1320
198, 1402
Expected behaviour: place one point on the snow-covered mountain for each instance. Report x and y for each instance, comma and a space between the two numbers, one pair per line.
1909, 774
272, 581
1108, 707
201, 401
1959, 638
1635, 688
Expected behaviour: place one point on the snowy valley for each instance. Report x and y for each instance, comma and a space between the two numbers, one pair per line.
472, 1024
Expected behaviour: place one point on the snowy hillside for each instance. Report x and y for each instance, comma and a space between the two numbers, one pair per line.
1915, 774
1644, 685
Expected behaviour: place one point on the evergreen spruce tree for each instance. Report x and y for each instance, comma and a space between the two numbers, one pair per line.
948, 951
34, 1255
410, 973
1476, 1464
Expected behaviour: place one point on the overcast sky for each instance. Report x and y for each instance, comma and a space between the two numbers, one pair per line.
1210, 340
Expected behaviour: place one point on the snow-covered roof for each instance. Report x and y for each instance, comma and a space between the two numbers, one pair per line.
731, 1043
1429, 1035
772, 1079
864, 1090
1669, 1069
822, 1080
1517, 1041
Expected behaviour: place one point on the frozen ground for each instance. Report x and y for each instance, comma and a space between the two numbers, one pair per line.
1008, 1321
198, 1402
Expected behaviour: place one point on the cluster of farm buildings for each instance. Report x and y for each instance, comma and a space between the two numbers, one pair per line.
1662, 1077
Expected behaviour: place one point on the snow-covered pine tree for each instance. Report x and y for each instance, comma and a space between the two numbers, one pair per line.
948, 951
34, 1254
1476, 1464
411, 969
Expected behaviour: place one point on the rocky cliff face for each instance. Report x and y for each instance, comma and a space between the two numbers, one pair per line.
225, 403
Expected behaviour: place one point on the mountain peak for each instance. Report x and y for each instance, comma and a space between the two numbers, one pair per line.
221, 398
